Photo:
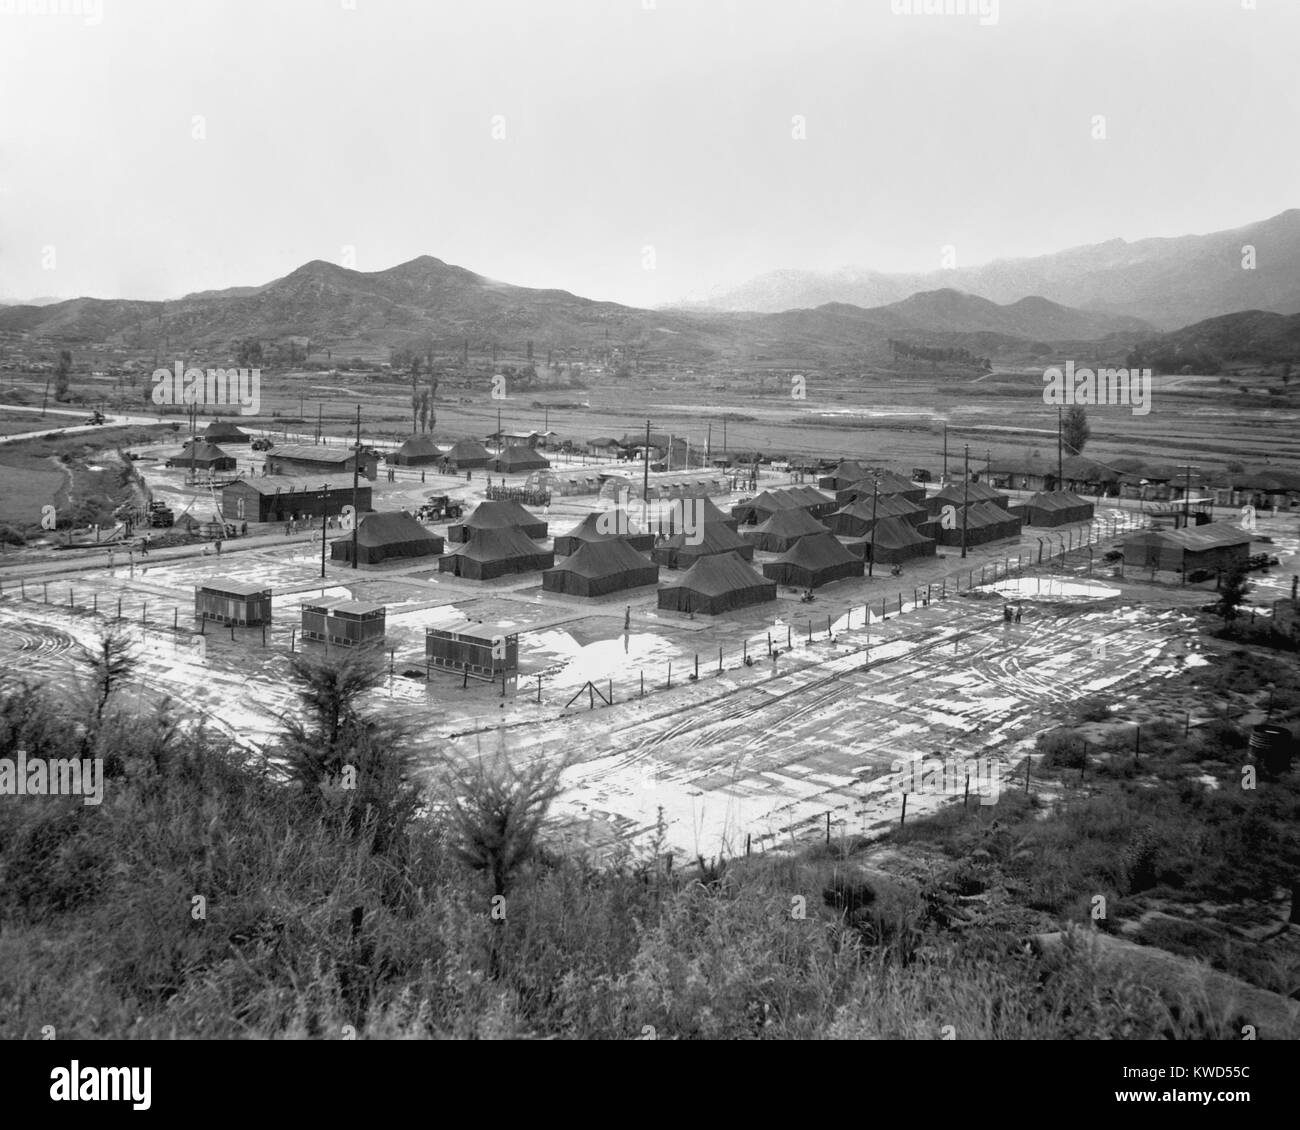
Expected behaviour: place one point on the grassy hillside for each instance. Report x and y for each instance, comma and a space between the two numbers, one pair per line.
210, 898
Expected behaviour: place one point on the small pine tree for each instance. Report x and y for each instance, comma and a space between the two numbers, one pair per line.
1232, 594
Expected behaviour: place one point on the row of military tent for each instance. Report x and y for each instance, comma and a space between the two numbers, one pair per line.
855, 519
760, 508
983, 522
960, 494
1055, 508
465, 454
880, 484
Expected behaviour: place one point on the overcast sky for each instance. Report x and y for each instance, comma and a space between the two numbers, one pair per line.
369, 124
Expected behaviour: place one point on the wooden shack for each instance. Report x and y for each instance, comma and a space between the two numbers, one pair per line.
483, 651
243, 603
345, 623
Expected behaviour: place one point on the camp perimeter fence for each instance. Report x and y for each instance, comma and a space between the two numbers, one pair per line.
170, 629
1055, 549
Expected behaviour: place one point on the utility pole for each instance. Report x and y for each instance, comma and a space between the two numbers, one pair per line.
319, 408
944, 477
356, 474
965, 499
724, 439
1187, 496
708, 446
875, 495
500, 441
1060, 432
324, 503
645, 479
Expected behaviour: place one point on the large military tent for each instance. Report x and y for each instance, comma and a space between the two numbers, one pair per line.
200, 455
892, 541
715, 584
468, 453
495, 552
223, 431
498, 514
984, 522
817, 504
881, 483
813, 561
706, 510
958, 494
518, 460
846, 473
782, 530
856, 518
600, 567
603, 525
762, 507
681, 551
1056, 508
385, 536
416, 452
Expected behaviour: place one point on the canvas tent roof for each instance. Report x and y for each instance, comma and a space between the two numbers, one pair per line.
495, 552
846, 473
713, 538
882, 484
202, 452
220, 431
468, 452
783, 529
419, 447
813, 561
382, 536
516, 460
894, 533
714, 584
855, 518
600, 567
603, 525
498, 514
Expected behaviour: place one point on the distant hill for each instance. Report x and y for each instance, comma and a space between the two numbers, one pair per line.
429, 300
1251, 336
1168, 282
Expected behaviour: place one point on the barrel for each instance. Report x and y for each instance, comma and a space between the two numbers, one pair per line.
1271, 747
